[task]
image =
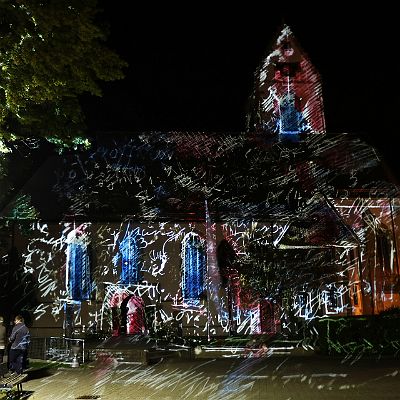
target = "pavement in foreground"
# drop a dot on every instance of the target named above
(277, 378)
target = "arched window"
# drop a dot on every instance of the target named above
(193, 268)
(128, 258)
(291, 119)
(78, 277)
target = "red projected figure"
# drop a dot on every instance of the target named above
(135, 320)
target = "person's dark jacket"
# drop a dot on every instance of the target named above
(2, 336)
(20, 337)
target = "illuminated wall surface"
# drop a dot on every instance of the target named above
(193, 268)
(288, 95)
(206, 233)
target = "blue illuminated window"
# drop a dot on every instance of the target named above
(128, 258)
(290, 118)
(78, 280)
(193, 268)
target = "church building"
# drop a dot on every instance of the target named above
(207, 234)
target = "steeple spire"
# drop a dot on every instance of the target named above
(287, 98)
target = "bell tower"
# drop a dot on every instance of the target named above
(287, 97)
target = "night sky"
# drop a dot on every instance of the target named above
(192, 68)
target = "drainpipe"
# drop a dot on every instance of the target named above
(360, 275)
(394, 235)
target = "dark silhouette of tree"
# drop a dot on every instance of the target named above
(51, 53)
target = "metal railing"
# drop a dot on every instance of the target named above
(57, 349)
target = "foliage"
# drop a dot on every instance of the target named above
(42, 364)
(355, 337)
(50, 53)
(5, 183)
(22, 208)
(17, 294)
(391, 312)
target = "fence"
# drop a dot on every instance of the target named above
(58, 349)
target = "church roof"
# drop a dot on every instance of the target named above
(169, 175)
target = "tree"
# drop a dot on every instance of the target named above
(51, 51)
(17, 294)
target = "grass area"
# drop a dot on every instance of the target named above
(12, 395)
(41, 364)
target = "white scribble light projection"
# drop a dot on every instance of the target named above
(258, 232)
(288, 95)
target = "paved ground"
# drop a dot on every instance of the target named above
(277, 378)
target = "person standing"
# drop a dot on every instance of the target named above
(19, 339)
(2, 339)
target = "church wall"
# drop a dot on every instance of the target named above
(375, 222)
(43, 252)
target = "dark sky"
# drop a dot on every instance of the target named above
(191, 68)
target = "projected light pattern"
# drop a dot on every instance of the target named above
(300, 239)
(241, 312)
(128, 258)
(298, 247)
(288, 92)
(78, 277)
(291, 120)
(193, 268)
(269, 322)
(135, 324)
(302, 305)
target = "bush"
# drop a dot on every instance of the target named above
(354, 337)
